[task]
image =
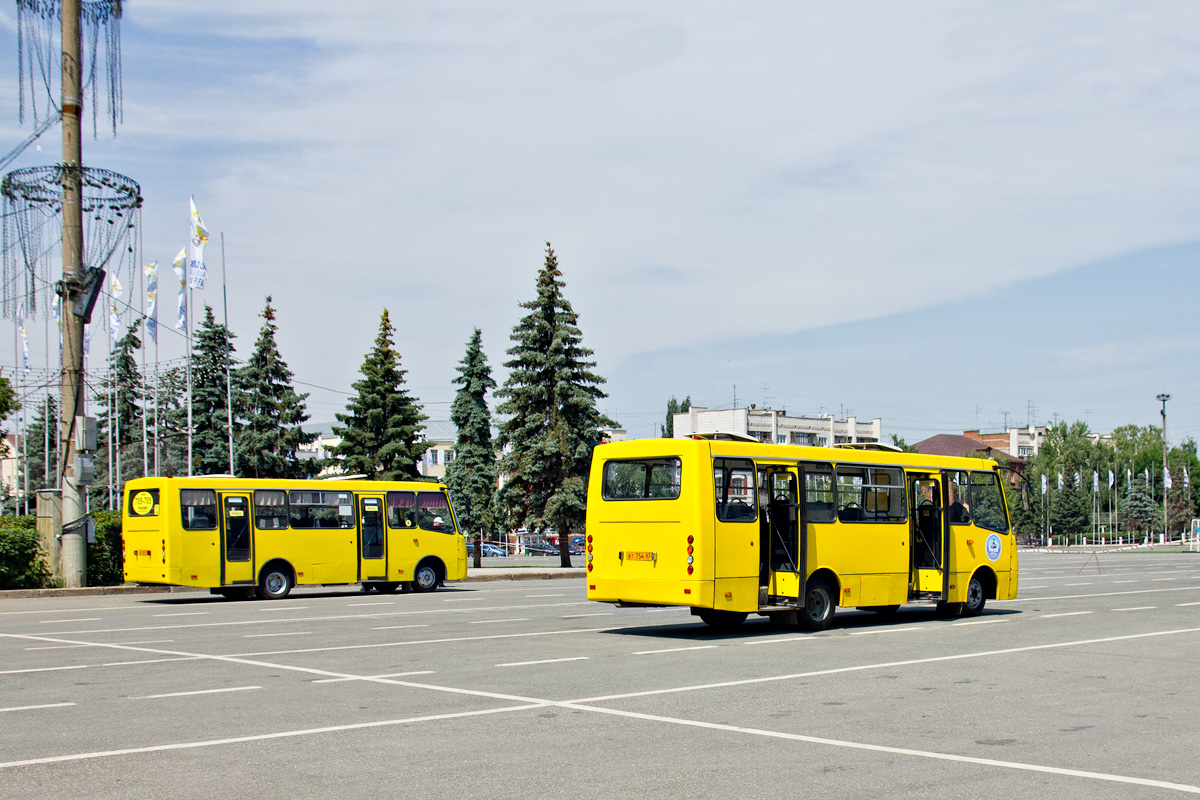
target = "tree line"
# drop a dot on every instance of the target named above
(528, 470)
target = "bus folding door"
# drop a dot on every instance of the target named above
(237, 549)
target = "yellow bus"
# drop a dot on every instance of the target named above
(240, 537)
(731, 528)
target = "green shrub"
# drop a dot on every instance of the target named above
(21, 566)
(104, 564)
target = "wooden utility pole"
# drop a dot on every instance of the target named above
(74, 535)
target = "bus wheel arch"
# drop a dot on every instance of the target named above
(820, 600)
(275, 580)
(428, 575)
(980, 588)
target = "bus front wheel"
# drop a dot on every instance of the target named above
(722, 620)
(426, 578)
(819, 605)
(275, 583)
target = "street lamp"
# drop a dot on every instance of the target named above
(1163, 398)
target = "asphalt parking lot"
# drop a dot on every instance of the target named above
(1083, 687)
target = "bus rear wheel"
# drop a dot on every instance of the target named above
(275, 583)
(976, 598)
(819, 605)
(722, 620)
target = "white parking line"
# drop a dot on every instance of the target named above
(383, 603)
(149, 641)
(580, 616)
(885, 630)
(1136, 608)
(543, 661)
(1153, 580)
(1035, 587)
(199, 691)
(264, 635)
(32, 708)
(370, 677)
(59, 647)
(1188, 604)
(1079, 584)
(545, 595)
(284, 608)
(65, 621)
(1124, 581)
(488, 621)
(980, 622)
(182, 614)
(398, 627)
(776, 641)
(1065, 614)
(675, 650)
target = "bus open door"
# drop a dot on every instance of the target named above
(930, 578)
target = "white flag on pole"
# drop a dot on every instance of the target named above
(1095, 481)
(1112, 479)
(24, 343)
(1045, 483)
(179, 266)
(1186, 480)
(1167, 480)
(114, 324)
(197, 238)
(1060, 482)
(151, 272)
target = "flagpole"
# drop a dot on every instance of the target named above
(108, 407)
(46, 411)
(189, 299)
(142, 292)
(228, 382)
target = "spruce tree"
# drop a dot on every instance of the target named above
(169, 436)
(471, 476)
(212, 361)
(1139, 513)
(550, 399)
(382, 427)
(270, 412)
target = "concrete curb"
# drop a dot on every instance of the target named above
(473, 576)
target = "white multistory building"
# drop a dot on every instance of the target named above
(776, 426)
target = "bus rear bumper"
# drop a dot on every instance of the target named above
(649, 592)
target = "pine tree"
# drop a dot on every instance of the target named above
(1070, 512)
(382, 424)
(212, 361)
(471, 476)
(270, 412)
(550, 396)
(1180, 508)
(674, 407)
(170, 434)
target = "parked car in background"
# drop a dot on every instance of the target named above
(492, 550)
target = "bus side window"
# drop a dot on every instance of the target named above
(433, 512)
(270, 510)
(818, 492)
(199, 508)
(401, 508)
(736, 498)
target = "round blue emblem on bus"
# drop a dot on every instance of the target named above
(993, 547)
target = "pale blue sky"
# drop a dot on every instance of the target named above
(929, 212)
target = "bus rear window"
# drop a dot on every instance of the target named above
(143, 503)
(199, 508)
(642, 479)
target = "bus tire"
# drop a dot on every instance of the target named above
(976, 597)
(386, 587)
(819, 605)
(722, 620)
(426, 577)
(275, 582)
